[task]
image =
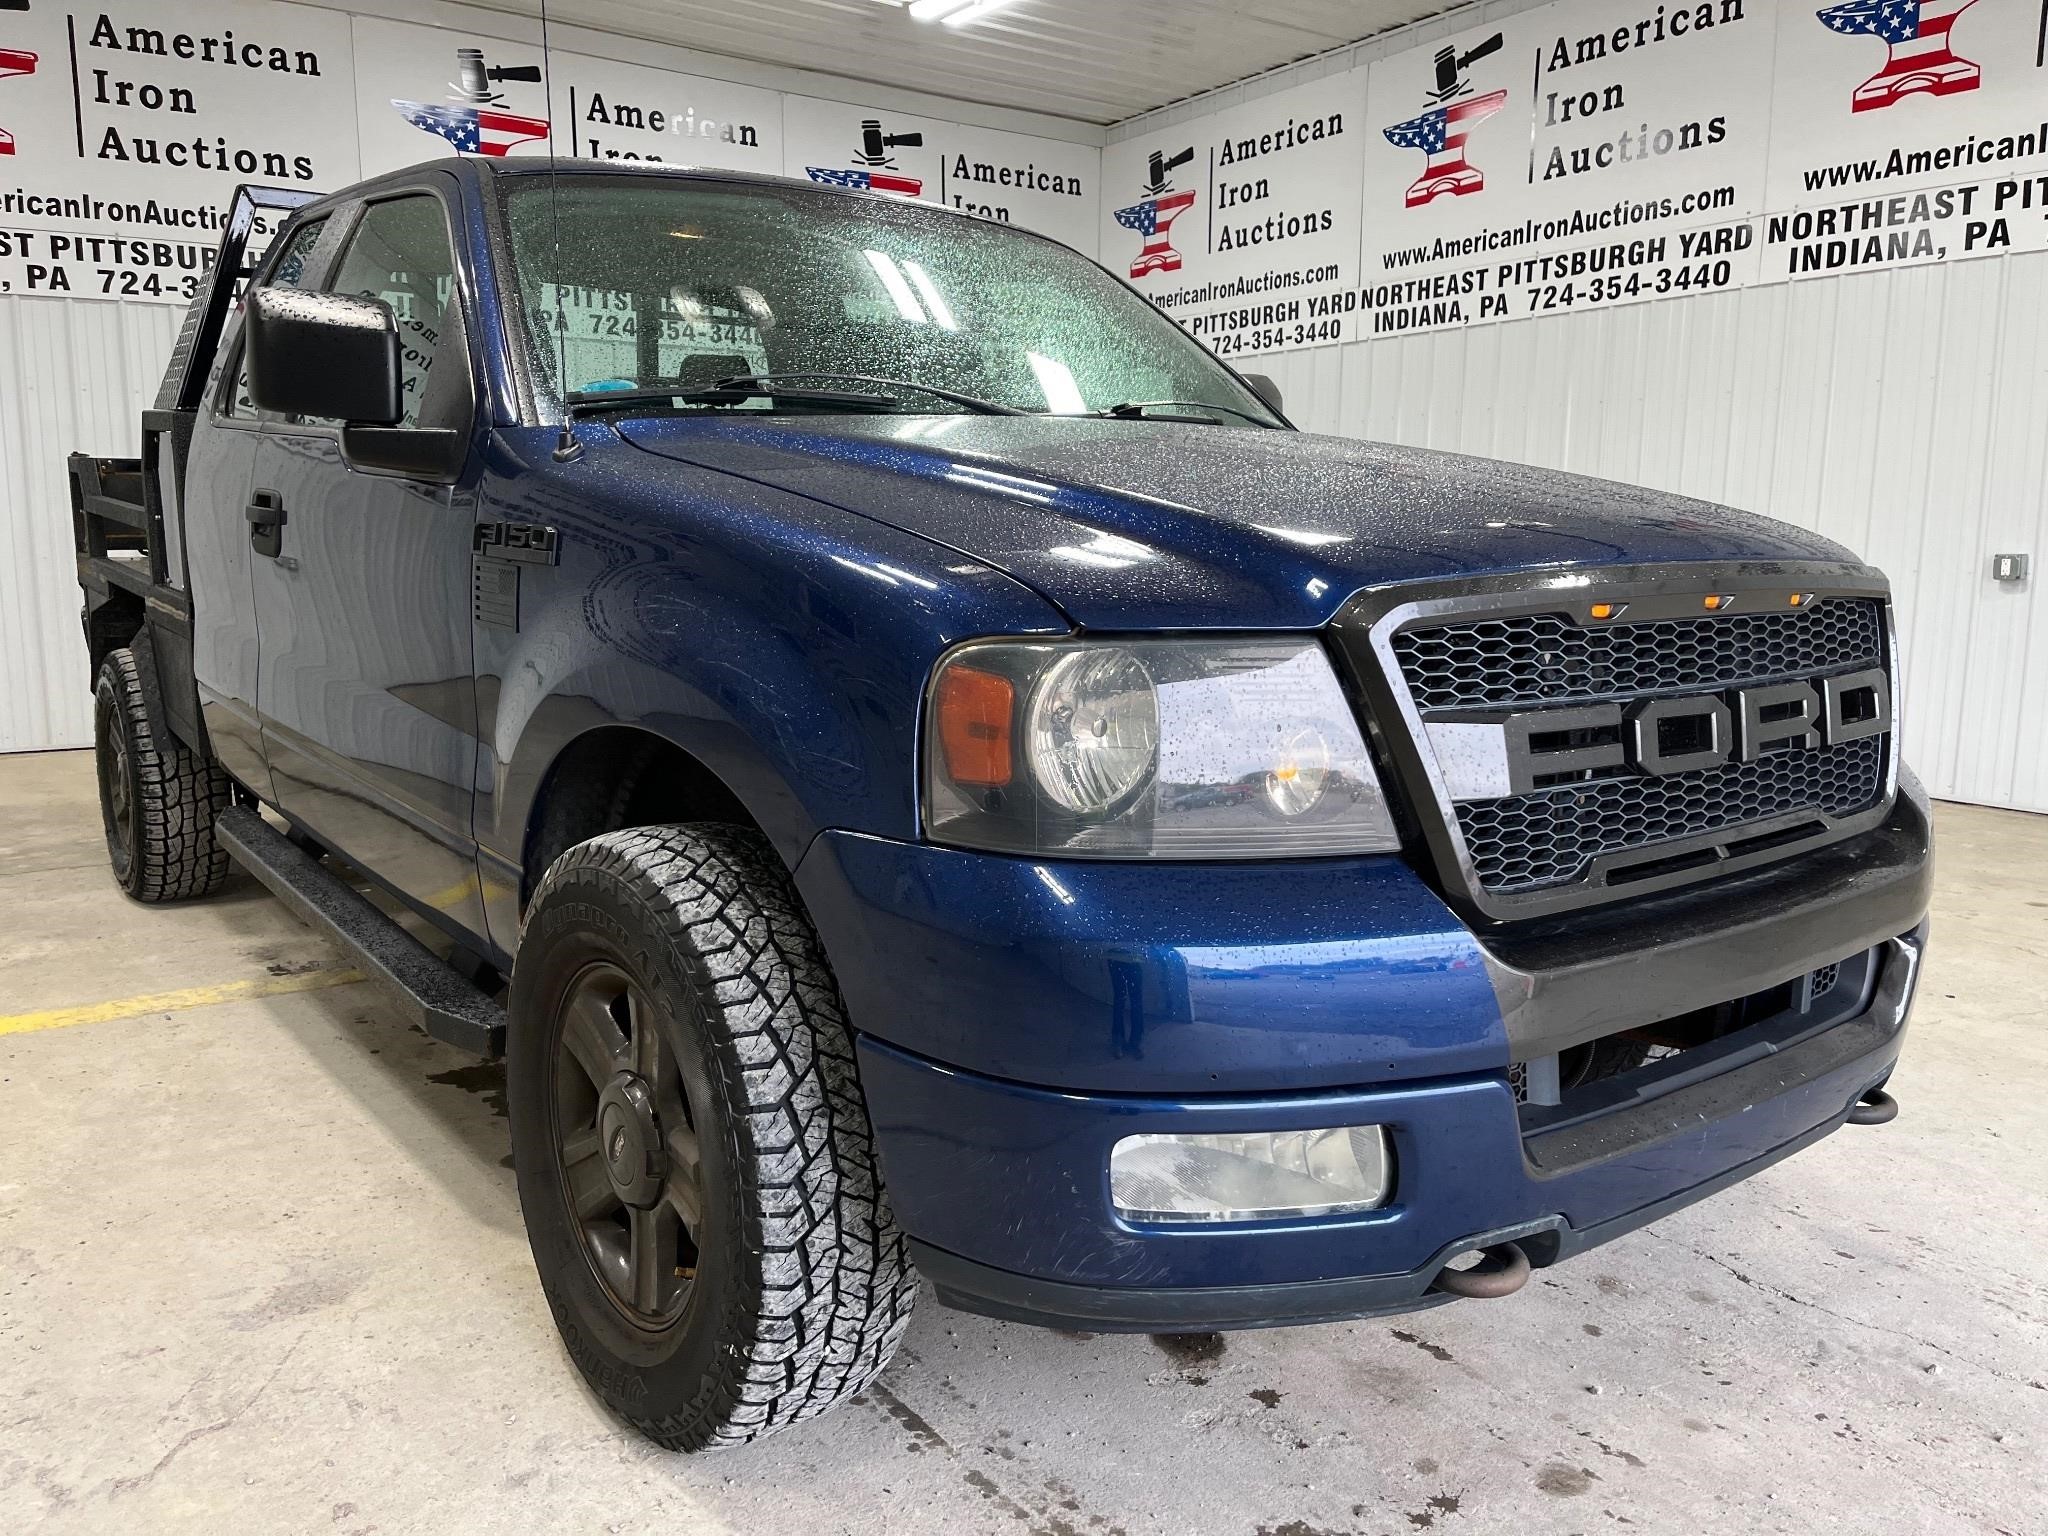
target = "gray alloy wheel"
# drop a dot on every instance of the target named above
(627, 1149)
(696, 1167)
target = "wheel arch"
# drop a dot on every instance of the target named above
(613, 776)
(111, 622)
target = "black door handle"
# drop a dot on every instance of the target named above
(266, 523)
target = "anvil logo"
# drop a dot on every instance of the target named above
(1440, 135)
(476, 125)
(1917, 33)
(877, 167)
(1441, 132)
(1152, 220)
(13, 61)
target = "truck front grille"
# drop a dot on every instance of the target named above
(1521, 842)
(1546, 658)
(1504, 680)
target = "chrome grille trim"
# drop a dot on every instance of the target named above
(1366, 633)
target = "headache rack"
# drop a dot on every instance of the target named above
(127, 522)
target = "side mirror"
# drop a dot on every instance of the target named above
(1266, 390)
(323, 354)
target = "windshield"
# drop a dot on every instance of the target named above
(675, 282)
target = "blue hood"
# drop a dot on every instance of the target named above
(1149, 525)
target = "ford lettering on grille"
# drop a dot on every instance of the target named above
(1484, 756)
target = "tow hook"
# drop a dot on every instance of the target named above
(1502, 1270)
(1875, 1108)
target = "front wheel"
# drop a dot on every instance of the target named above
(694, 1156)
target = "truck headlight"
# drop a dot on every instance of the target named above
(1093, 730)
(1169, 749)
(1250, 1176)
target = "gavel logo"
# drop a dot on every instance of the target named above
(1451, 66)
(474, 78)
(1161, 169)
(875, 144)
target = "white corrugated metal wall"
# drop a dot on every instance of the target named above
(1902, 412)
(73, 376)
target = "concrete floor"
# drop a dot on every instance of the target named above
(261, 1269)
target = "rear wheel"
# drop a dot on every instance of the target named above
(158, 797)
(695, 1162)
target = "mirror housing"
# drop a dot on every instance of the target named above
(1266, 390)
(324, 354)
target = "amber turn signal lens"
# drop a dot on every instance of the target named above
(974, 710)
(1603, 610)
(1713, 602)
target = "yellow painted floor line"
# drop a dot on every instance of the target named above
(176, 1002)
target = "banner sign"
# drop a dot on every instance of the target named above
(1907, 131)
(423, 91)
(614, 111)
(1589, 153)
(125, 127)
(1574, 156)
(1014, 178)
(1244, 226)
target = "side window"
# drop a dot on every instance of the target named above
(400, 254)
(289, 272)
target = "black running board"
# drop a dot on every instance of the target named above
(432, 996)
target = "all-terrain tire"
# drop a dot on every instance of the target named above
(158, 797)
(801, 1284)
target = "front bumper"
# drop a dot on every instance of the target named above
(1013, 1025)
(1016, 1177)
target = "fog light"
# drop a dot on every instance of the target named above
(1250, 1176)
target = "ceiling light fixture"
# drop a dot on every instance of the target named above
(955, 13)
(973, 12)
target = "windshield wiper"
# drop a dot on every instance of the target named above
(723, 392)
(952, 396)
(1134, 410)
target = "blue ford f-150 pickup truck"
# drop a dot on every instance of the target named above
(925, 773)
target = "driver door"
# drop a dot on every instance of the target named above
(366, 686)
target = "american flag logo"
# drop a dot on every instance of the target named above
(1152, 219)
(473, 130)
(1440, 134)
(1916, 31)
(13, 61)
(867, 181)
